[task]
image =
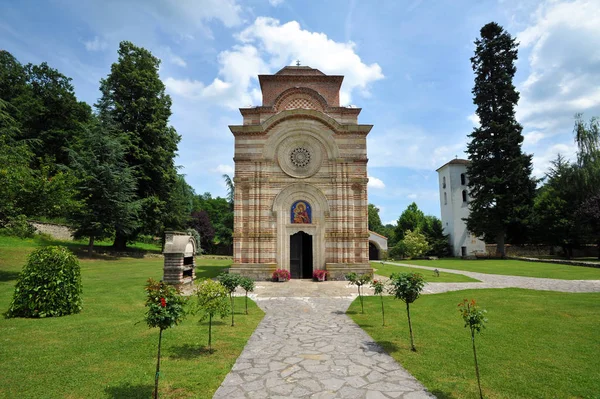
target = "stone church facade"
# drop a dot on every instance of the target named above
(300, 180)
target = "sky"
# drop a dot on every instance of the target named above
(406, 64)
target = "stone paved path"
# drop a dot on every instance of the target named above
(308, 348)
(500, 281)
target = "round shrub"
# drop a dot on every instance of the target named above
(49, 285)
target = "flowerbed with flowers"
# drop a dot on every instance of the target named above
(320, 275)
(281, 275)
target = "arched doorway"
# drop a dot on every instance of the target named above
(373, 251)
(301, 258)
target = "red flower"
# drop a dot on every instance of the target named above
(163, 303)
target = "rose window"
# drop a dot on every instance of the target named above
(300, 157)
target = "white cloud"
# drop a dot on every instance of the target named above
(412, 147)
(412, 196)
(533, 137)
(542, 159)
(223, 170)
(96, 45)
(275, 3)
(375, 183)
(564, 60)
(474, 119)
(266, 46)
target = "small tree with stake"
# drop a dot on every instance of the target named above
(359, 281)
(378, 287)
(165, 310)
(212, 301)
(474, 319)
(407, 287)
(230, 282)
(248, 285)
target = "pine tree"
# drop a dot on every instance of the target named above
(134, 102)
(500, 180)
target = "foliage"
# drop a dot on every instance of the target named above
(165, 305)
(375, 221)
(378, 287)
(411, 219)
(135, 104)
(18, 226)
(407, 287)
(230, 281)
(281, 275)
(106, 187)
(212, 301)
(220, 220)
(359, 281)
(398, 251)
(415, 244)
(414, 220)
(230, 190)
(500, 183)
(474, 319)
(200, 222)
(49, 285)
(165, 310)
(248, 285)
(320, 274)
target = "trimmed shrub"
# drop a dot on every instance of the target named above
(49, 285)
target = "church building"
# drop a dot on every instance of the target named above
(300, 180)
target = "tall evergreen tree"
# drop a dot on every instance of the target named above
(134, 102)
(500, 180)
(106, 187)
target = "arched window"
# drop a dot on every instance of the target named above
(464, 194)
(444, 182)
(445, 199)
(463, 179)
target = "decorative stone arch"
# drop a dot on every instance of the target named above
(281, 212)
(374, 250)
(379, 243)
(300, 97)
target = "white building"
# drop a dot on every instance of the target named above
(454, 203)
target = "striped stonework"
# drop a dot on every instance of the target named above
(300, 145)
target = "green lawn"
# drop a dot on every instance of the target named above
(537, 344)
(387, 270)
(107, 351)
(511, 267)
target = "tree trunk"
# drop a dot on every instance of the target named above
(362, 308)
(231, 299)
(500, 250)
(157, 366)
(91, 245)
(246, 302)
(412, 341)
(382, 311)
(120, 243)
(209, 331)
(476, 365)
(598, 248)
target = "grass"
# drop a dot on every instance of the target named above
(512, 267)
(107, 351)
(537, 344)
(387, 270)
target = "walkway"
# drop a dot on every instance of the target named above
(501, 281)
(306, 347)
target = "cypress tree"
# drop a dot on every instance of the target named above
(500, 182)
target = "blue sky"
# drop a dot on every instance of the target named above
(406, 65)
